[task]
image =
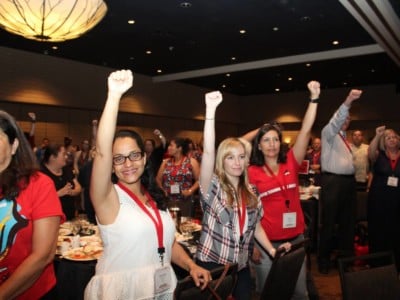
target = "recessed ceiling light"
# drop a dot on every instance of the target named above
(159, 71)
(233, 58)
(372, 70)
(290, 78)
(54, 47)
(275, 28)
(277, 89)
(335, 43)
(131, 21)
(344, 83)
(148, 52)
(185, 4)
(223, 86)
(242, 31)
(131, 58)
(308, 65)
(227, 74)
(305, 19)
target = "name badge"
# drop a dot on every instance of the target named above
(392, 181)
(289, 220)
(162, 279)
(175, 189)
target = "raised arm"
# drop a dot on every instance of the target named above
(101, 188)
(373, 149)
(341, 115)
(162, 138)
(95, 124)
(32, 116)
(213, 99)
(300, 146)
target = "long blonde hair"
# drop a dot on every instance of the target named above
(225, 149)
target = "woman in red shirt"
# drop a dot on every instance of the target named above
(30, 216)
(275, 174)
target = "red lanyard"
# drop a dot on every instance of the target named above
(282, 186)
(315, 157)
(157, 223)
(345, 142)
(242, 216)
(393, 162)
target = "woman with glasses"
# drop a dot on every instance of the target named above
(384, 193)
(137, 230)
(274, 171)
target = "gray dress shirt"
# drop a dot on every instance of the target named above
(336, 156)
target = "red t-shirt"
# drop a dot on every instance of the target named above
(38, 200)
(274, 195)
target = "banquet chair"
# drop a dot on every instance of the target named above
(220, 288)
(376, 279)
(282, 277)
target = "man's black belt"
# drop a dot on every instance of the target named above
(341, 175)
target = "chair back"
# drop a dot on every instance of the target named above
(376, 279)
(220, 288)
(282, 277)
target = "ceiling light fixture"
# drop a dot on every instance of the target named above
(51, 20)
(185, 4)
(131, 21)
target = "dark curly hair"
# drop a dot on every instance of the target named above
(257, 157)
(23, 164)
(148, 177)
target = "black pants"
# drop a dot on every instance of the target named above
(337, 204)
(243, 288)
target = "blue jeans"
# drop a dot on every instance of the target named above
(262, 270)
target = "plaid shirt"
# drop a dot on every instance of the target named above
(219, 240)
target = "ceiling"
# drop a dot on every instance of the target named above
(286, 43)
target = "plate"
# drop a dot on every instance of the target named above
(64, 231)
(66, 224)
(87, 253)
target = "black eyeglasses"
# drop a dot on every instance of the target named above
(133, 156)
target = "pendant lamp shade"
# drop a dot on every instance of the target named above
(51, 20)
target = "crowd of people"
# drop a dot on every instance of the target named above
(247, 189)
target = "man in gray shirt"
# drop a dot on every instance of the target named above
(338, 194)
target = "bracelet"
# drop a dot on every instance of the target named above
(314, 100)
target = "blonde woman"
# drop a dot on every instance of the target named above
(384, 193)
(232, 210)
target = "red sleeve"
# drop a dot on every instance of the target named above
(45, 199)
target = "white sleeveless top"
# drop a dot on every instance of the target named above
(130, 258)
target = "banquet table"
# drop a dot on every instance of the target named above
(73, 275)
